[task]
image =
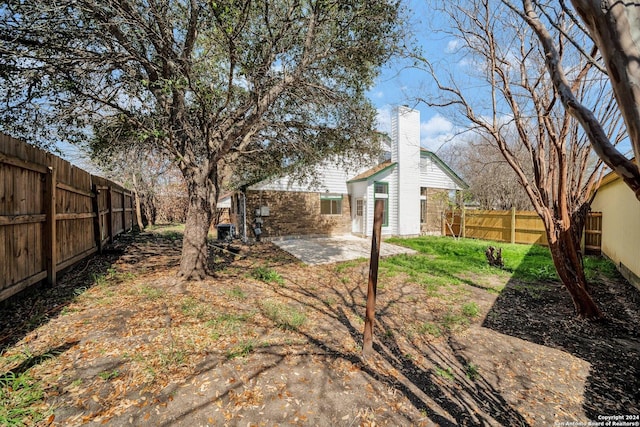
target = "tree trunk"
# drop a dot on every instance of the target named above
(568, 262)
(193, 263)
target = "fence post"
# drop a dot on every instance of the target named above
(463, 223)
(50, 240)
(110, 213)
(98, 220)
(513, 225)
(444, 223)
(124, 211)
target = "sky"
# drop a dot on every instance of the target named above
(401, 86)
(398, 85)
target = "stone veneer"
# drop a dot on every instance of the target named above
(296, 214)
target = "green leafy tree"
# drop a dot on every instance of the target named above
(212, 84)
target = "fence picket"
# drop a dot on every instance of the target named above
(52, 215)
(514, 227)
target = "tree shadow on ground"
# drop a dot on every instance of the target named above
(27, 310)
(433, 376)
(545, 315)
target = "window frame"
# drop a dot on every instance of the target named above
(384, 195)
(335, 204)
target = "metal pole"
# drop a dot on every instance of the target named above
(367, 347)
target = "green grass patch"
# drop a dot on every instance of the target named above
(109, 375)
(236, 293)
(451, 258)
(443, 260)
(267, 275)
(344, 266)
(194, 308)
(241, 350)
(172, 357)
(446, 373)
(471, 371)
(283, 315)
(429, 328)
(20, 399)
(151, 293)
(228, 323)
(595, 266)
(453, 321)
(470, 309)
(169, 231)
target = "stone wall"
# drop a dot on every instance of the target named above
(296, 214)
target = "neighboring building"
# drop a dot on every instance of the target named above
(223, 209)
(415, 184)
(620, 225)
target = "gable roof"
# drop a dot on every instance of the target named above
(454, 176)
(373, 171)
(611, 176)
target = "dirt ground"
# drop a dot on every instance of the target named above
(270, 341)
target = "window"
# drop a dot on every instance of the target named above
(359, 207)
(381, 188)
(381, 191)
(331, 204)
(423, 205)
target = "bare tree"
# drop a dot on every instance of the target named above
(209, 83)
(147, 172)
(613, 27)
(493, 184)
(521, 99)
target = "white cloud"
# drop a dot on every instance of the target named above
(436, 131)
(435, 125)
(383, 119)
(452, 46)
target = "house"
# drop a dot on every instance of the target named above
(415, 184)
(620, 226)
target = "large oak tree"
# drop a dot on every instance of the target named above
(210, 83)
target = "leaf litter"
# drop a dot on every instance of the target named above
(236, 350)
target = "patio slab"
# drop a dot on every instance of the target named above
(327, 250)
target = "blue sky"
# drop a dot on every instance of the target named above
(400, 86)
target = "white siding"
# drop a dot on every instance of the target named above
(358, 190)
(406, 151)
(432, 176)
(331, 178)
(389, 176)
(224, 203)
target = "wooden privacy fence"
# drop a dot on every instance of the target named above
(52, 215)
(513, 227)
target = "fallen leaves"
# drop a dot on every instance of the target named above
(215, 348)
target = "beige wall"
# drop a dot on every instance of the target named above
(620, 227)
(296, 214)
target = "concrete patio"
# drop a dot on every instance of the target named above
(327, 250)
